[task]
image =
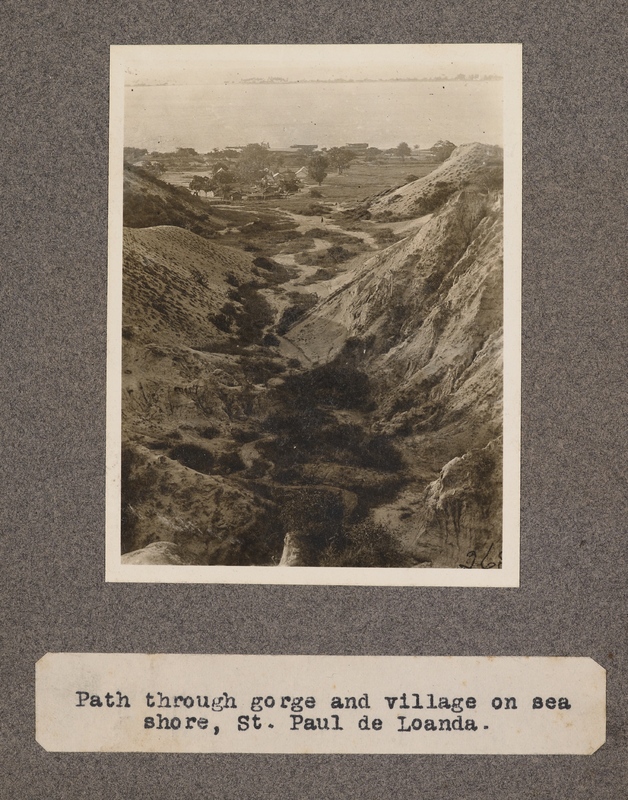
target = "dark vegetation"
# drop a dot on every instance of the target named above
(366, 544)
(307, 438)
(333, 385)
(137, 485)
(246, 315)
(321, 274)
(193, 457)
(209, 432)
(316, 210)
(306, 428)
(331, 257)
(491, 178)
(142, 211)
(301, 303)
(430, 202)
(385, 236)
(157, 202)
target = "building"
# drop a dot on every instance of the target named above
(304, 148)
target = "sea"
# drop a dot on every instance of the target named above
(382, 113)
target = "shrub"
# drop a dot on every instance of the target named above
(385, 236)
(335, 385)
(222, 322)
(256, 315)
(334, 255)
(288, 318)
(230, 462)
(367, 545)
(259, 370)
(435, 197)
(244, 435)
(380, 453)
(209, 432)
(138, 480)
(264, 263)
(193, 457)
(316, 209)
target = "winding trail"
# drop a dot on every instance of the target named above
(289, 349)
(305, 223)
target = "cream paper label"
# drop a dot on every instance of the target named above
(319, 704)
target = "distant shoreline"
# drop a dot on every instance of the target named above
(288, 82)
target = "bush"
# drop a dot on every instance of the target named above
(137, 482)
(385, 236)
(367, 545)
(256, 315)
(316, 209)
(381, 454)
(335, 385)
(209, 432)
(334, 255)
(193, 457)
(437, 196)
(260, 369)
(222, 322)
(265, 263)
(230, 462)
(244, 435)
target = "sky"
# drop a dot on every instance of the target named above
(190, 64)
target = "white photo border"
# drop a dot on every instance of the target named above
(510, 58)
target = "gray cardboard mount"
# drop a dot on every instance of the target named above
(572, 599)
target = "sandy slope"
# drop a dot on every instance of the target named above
(467, 163)
(428, 311)
(419, 323)
(173, 281)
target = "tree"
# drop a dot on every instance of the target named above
(340, 157)
(371, 153)
(317, 168)
(225, 180)
(155, 167)
(252, 163)
(289, 182)
(404, 151)
(199, 184)
(132, 154)
(442, 149)
(279, 160)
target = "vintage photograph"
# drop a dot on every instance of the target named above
(314, 314)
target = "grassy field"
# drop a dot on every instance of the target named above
(358, 182)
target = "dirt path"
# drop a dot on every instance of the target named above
(305, 223)
(289, 349)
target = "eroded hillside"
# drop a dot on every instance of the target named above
(276, 413)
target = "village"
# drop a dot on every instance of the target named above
(257, 171)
